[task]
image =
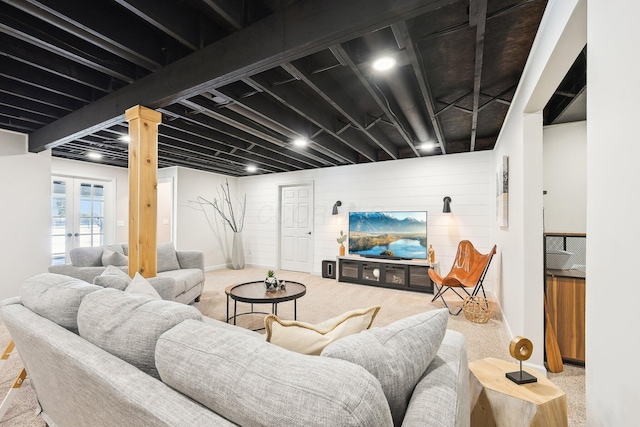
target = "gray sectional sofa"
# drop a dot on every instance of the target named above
(180, 273)
(103, 357)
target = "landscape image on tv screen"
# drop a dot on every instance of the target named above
(388, 234)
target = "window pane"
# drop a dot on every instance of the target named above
(85, 189)
(58, 206)
(85, 208)
(98, 191)
(59, 187)
(97, 208)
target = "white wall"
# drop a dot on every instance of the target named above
(97, 171)
(613, 229)
(410, 184)
(561, 36)
(199, 227)
(565, 178)
(25, 217)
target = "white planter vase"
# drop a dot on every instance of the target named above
(237, 252)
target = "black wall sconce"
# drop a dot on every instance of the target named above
(335, 207)
(447, 205)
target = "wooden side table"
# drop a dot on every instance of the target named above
(496, 401)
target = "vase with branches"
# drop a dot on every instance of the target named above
(341, 240)
(224, 207)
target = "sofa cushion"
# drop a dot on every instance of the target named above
(185, 279)
(306, 338)
(140, 285)
(110, 257)
(253, 383)
(86, 257)
(128, 325)
(167, 258)
(113, 277)
(397, 354)
(56, 297)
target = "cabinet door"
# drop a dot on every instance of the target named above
(371, 272)
(419, 278)
(394, 275)
(348, 270)
(566, 303)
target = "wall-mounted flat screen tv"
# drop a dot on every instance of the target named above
(395, 235)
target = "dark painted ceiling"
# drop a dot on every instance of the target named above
(238, 81)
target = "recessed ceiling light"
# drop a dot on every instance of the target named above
(300, 142)
(125, 138)
(94, 155)
(251, 168)
(427, 146)
(384, 63)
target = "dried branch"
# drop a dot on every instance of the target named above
(219, 206)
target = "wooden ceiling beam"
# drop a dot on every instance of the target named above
(481, 20)
(299, 30)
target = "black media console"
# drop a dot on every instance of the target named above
(410, 275)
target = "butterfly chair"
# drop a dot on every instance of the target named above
(468, 271)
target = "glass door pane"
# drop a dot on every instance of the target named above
(58, 221)
(77, 215)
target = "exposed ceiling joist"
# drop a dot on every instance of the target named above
(480, 13)
(305, 27)
(417, 66)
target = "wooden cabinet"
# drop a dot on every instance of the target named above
(566, 290)
(410, 275)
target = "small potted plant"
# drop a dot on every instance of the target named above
(341, 240)
(270, 282)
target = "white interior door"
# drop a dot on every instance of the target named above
(78, 214)
(296, 242)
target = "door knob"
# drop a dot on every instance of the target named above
(309, 233)
(69, 234)
(77, 234)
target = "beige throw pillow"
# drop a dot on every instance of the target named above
(306, 338)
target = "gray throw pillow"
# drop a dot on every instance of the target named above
(167, 257)
(254, 383)
(110, 257)
(397, 354)
(140, 285)
(128, 325)
(113, 277)
(56, 297)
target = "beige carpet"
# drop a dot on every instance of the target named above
(325, 298)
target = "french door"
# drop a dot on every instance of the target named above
(296, 242)
(78, 214)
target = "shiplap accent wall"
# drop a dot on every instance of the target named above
(410, 184)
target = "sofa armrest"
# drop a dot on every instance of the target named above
(442, 396)
(164, 286)
(83, 273)
(191, 259)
